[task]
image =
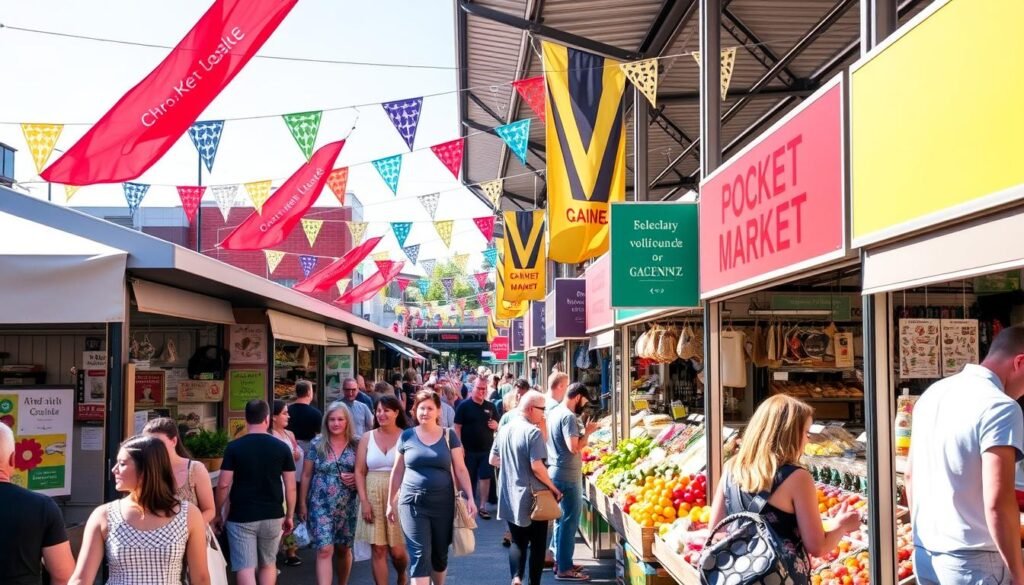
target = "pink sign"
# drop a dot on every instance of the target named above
(599, 300)
(777, 207)
(499, 347)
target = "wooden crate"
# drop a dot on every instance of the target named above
(683, 572)
(640, 538)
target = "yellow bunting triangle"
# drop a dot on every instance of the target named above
(259, 192)
(462, 261)
(273, 259)
(343, 284)
(444, 229)
(728, 64)
(312, 229)
(358, 229)
(69, 192)
(41, 139)
(644, 76)
(385, 255)
(493, 189)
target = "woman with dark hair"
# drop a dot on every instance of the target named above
(191, 479)
(279, 429)
(374, 460)
(427, 456)
(147, 535)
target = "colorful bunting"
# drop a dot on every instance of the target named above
(379, 256)
(424, 285)
(342, 284)
(69, 192)
(728, 64)
(190, 198)
(484, 299)
(304, 127)
(486, 226)
(384, 265)
(134, 193)
(429, 202)
(644, 76)
(450, 154)
(403, 283)
(308, 263)
(312, 227)
(461, 261)
(389, 169)
(405, 115)
(401, 229)
(532, 92)
(273, 259)
(412, 252)
(481, 279)
(491, 256)
(338, 269)
(358, 230)
(493, 190)
(390, 303)
(444, 230)
(370, 286)
(448, 283)
(224, 195)
(206, 138)
(428, 267)
(41, 139)
(338, 182)
(259, 192)
(517, 136)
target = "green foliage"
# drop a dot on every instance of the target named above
(207, 444)
(461, 288)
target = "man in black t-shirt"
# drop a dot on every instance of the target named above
(476, 420)
(251, 481)
(31, 529)
(304, 419)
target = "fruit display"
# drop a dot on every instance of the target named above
(659, 500)
(904, 551)
(851, 570)
(811, 391)
(625, 457)
(831, 500)
(832, 441)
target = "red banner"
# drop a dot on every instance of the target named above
(370, 286)
(499, 347)
(340, 268)
(282, 212)
(147, 120)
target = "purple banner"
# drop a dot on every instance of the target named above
(518, 340)
(537, 324)
(570, 308)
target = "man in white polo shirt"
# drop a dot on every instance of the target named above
(967, 436)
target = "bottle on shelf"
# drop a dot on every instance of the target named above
(904, 419)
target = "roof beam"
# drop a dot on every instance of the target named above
(533, 12)
(671, 21)
(692, 97)
(755, 45)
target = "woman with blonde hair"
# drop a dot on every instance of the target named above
(768, 464)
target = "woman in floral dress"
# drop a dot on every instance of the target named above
(328, 501)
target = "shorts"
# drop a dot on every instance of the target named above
(254, 544)
(479, 466)
(966, 568)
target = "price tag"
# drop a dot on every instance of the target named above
(817, 429)
(780, 376)
(678, 412)
(640, 404)
(863, 438)
(700, 418)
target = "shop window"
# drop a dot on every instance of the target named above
(285, 282)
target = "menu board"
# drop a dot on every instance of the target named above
(919, 348)
(959, 344)
(42, 421)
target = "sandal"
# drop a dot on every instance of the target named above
(573, 575)
(483, 514)
(506, 541)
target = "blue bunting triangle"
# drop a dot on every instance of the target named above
(412, 252)
(401, 229)
(206, 138)
(389, 169)
(491, 256)
(424, 285)
(405, 115)
(134, 193)
(308, 263)
(448, 283)
(517, 136)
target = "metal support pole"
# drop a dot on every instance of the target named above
(641, 117)
(710, 85)
(878, 19)
(713, 411)
(199, 210)
(116, 360)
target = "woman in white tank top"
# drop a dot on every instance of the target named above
(374, 460)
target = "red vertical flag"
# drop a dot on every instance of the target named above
(148, 119)
(340, 268)
(371, 286)
(282, 212)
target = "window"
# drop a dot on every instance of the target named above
(287, 282)
(7, 164)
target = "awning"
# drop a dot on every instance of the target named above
(362, 342)
(297, 329)
(603, 340)
(400, 350)
(166, 300)
(336, 336)
(415, 356)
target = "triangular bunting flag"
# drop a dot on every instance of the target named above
(401, 230)
(378, 256)
(517, 136)
(403, 283)
(532, 92)
(259, 192)
(424, 285)
(206, 138)
(190, 198)
(428, 267)
(728, 64)
(338, 182)
(342, 285)
(481, 279)
(134, 193)
(644, 76)
(491, 256)
(308, 263)
(389, 169)
(312, 227)
(450, 154)
(493, 190)
(304, 127)
(390, 303)
(462, 261)
(429, 202)
(224, 195)
(358, 230)
(448, 283)
(273, 259)
(405, 115)
(486, 226)
(384, 266)
(69, 192)
(412, 252)
(473, 285)
(444, 230)
(41, 139)
(484, 299)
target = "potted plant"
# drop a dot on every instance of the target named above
(208, 447)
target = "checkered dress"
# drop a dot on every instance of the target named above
(145, 557)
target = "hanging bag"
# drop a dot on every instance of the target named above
(215, 563)
(463, 539)
(545, 507)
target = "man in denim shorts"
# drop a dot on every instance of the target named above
(257, 476)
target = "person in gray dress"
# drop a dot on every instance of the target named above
(520, 452)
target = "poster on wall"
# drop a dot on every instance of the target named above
(201, 391)
(95, 365)
(340, 365)
(149, 388)
(246, 385)
(919, 348)
(248, 344)
(959, 344)
(42, 421)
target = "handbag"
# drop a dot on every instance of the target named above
(463, 539)
(215, 563)
(545, 507)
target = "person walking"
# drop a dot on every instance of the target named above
(256, 476)
(448, 394)
(558, 383)
(191, 479)
(304, 419)
(328, 501)
(768, 461)
(148, 535)
(279, 429)
(421, 494)
(476, 420)
(31, 529)
(519, 452)
(968, 431)
(511, 401)
(362, 416)
(374, 460)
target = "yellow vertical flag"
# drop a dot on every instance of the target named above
(41, 139)
(259, 192)
(523, 260)
(492, 332)
(312, 227)
(444, 230)
(504, 309)
(358, 229)
(273, 259)
(586, 147)
(493, 190)
(69, 192)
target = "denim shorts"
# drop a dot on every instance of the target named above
(254, 544)
(961, 568)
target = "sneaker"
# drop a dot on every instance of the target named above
(292, 562)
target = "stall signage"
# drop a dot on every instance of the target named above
(43, 432)
(777, 207)
(449, 337)
(201, 391)
(999, 282)
(570, 306)
(340, 364)
(842, 309)
(549, 319)
(499, 347)
(598, 277)
(535, 324)
(516, 335)
(246, 385)
(654, 255)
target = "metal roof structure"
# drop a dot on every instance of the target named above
(785, 50)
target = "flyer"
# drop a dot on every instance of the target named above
(248, 344)
(919, 348)
(245, 385)
(94, 363)
(340, 365)
(149, 388)
(42, 420)
(959, 344)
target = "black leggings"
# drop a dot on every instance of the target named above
(534, 537)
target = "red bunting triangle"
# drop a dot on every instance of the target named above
(190, 198)
(338, 182)
(403, 283)
(384, 265)
(486, 226)
(450, 155)
(481, 279)
(532, 92)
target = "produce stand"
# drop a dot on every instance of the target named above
(683, 572)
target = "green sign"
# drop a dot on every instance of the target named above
(515, 357)
(246, 385)
(839, 304)
(654, 255)
(997, 283)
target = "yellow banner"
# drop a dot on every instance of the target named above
(524, 260)
(586, 148)
(503, 309)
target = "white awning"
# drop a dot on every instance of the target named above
(336, 336)
(362, 342)
(166, 300)
(603, 340)
(51, 276)
(297, 329)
